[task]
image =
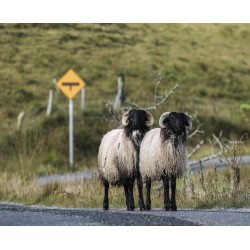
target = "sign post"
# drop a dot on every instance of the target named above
(71, 84)
(71, 132)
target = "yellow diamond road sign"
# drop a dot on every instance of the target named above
(70, 84)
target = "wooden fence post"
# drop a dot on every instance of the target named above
(20, 119)
(214, 106)
(50, 102)
(83, 99)
(120, 96)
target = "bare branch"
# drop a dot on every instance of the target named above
(231, 150)
(218, 141)
(197, 131)
(114, 114)
(156, 97)
(223, 148)
(214, 156)
(194, 116)
(156, 90)
(211, 145)
(167, 95)
(201, 178)
(132, 104)
(198, 146)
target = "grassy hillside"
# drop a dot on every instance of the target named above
(210, 61)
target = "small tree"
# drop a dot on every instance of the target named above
(232, 151)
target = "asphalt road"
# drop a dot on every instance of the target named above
(221, 163)
(18, 215)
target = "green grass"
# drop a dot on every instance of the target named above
(210, 62)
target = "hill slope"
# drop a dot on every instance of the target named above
(210, 61)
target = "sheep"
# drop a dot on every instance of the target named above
(163, 155)
(118, 156)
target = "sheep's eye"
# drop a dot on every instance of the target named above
(130, 118)
(172, 119)
(167, 120)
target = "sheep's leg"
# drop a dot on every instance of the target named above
(106, 197)
(165, 180)
(173, 189)
(148, 199)
(126, 193)
(131, 204)
(140, 191)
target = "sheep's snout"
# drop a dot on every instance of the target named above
(136, 133)
(137, 137)
(177, 126)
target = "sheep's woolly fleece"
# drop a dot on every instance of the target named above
(117, 157)
(158, 158)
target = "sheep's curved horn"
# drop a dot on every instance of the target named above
(150, 120)
(189, 121)
(162, 118)
(125, 119)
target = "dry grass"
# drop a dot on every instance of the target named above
(211, 188)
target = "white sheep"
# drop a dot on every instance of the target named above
(163, 155)
(118, 157)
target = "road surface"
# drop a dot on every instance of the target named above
(18, 215)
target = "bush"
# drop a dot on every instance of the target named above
(245, 107)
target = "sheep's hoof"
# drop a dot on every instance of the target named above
(148, 207)
(131, 208)
(105, 206)
(167, 207)
(142, 206)
(173, 208)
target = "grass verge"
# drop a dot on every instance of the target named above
(210, 189)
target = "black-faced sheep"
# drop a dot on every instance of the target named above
(163, 155)
(118, 157)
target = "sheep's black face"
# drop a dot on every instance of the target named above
(137, 128)
(176, 122)
(137, 119)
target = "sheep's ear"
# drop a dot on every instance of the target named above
(162, 118)
(188, 121)
(150, 120)
(125, 119)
